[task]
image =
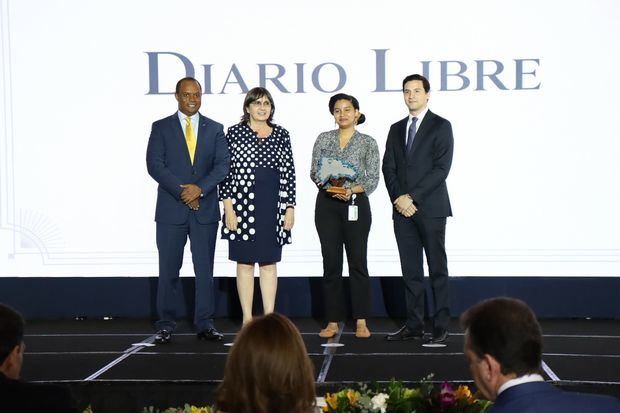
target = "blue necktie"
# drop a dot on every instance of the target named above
(411, 133)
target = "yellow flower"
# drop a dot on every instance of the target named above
(411, 393)
(194, 409)
(332, 400)
(353, 396)
(463, 392)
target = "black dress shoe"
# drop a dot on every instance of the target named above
(440, 335)
(406, 333)
(163, 337)
(210, 334)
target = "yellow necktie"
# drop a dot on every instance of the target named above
(190, 138)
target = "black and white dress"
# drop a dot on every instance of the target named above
(261, 184)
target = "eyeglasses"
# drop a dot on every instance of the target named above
(258, 104)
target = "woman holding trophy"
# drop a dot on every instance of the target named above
(258, 197)
(345, 168)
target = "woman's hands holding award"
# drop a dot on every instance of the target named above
(336, 172)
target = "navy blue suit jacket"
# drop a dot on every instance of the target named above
(168, 162)
(421, 172)
(542, 397)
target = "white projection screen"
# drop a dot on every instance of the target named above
(530, 87)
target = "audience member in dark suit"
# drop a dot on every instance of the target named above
(16, 395)
(503, 346)
(188, 156)
(417, 160)
(267, 370)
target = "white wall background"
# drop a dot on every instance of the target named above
(534, 182)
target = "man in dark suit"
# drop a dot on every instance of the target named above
(188, 156)
(418, 155)
(16, 395)
(503, 346)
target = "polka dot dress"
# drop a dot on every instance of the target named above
(260, 185)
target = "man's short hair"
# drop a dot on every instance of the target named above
(178, 86)
(507, 329)
(425, 83)
(11, 331)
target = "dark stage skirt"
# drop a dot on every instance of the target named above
(264, 248)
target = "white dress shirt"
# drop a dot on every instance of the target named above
(528, 378)
(193, 119)
(418, 123)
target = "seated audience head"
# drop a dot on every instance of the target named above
(268, 370)
(11, 342)
(503, 341)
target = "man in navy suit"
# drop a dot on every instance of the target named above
(503, 346)
(188, 156)
(16, 395)
(418, 155)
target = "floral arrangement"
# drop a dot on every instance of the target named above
(392, 398)
(396, 398)
(185, 409)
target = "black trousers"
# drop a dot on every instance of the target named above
(335, 230)
(415, 236)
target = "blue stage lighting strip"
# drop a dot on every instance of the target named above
(329, 354)
(131, 350)
(550, 372)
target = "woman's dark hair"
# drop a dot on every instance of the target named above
(252, 96)
(268, 370)
(352, 99)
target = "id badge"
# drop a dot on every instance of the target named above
(352, 212)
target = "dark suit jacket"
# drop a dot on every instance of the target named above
(18, 396)
(168, 162)
(541, 397)
(423, 171)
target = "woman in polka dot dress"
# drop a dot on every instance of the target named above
(258, 197)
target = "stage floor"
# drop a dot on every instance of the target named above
(584, 354)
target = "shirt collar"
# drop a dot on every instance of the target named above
(528, 378)
(420, 117)
(193, 118)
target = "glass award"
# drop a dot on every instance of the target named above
(335, 172)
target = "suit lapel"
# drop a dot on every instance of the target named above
(401, 135)
(179, 136)
(422, 130)
(201, 139)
